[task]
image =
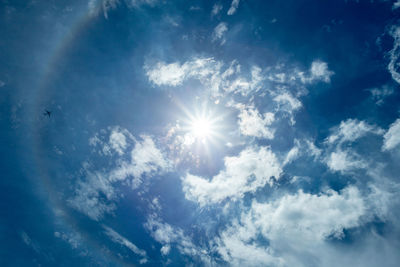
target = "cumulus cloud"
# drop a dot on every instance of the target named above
(146, 159)
(391, 139)
(288, 103)
(119, 239)
(252, 169)
(233, 8)
(394, 64)
(319, 71)
(219, 33)
(345, 160)
(252, 123)
(292, 225)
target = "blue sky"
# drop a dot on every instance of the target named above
(200, 133)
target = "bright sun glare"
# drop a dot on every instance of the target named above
(201, 128)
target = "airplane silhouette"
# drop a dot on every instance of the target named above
(47, 113)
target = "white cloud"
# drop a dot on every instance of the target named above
(169, 235)
(345, 161)
(396, 5)
(219, 33)
(74, 239)
(394, 64)
(379, 94)
(233, 8)
(174, 74)
(319, 71)
(146, 159)
(252, 123)
(93, 196)
(216, 9)
(117, 238)
(96, 6)
(238, 252)
(118, 141)
(209, 72)
(309, 217)
(170, 74)
(249, 171)
(288, 103)
(293, 225)
(392, 136)
(351, 130)
(95, 193)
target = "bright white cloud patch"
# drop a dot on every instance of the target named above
(233, 8)
(118, 141)
(392, 136)
(174, 74)
(252, 123)
(292, 224)
(219, 33)
(319, 71)
(146, 159)
(251, 170)
(309, 217)
(209, 72)
(345, 161)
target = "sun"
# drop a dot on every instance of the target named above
(201, 128)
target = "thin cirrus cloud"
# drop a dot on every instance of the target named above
(234, 6)
(119, 239)
(95, 192)
(219, 33)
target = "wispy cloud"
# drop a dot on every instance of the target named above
(95, 194)
(380, 94)
(216, 9)
(119, 239)
(233, 8)
(394, 54)
(219, 33)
